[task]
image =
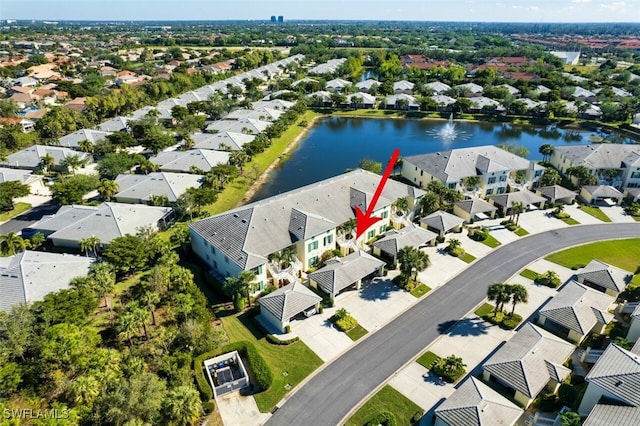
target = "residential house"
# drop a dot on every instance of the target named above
(304, 220)
(601, 194)
(117, 124)
(617, 92)
(632, 194)
(445, 103)
(248, 126)
(576, 311)
(34, 182)
(401, 102)
(278, 308)
(25, 124)
(471, 90)
(403, 87)
(185, 161)
(625, 158)
(138, 189)
(505, 202)
(337, 85)
(329, 67)
(476, 404)
(474, 209)
(569, 58)
(29, 276)
(557, 194)
(528, 363)
(575, 78)
(604, 277)
(540, 89)
(614, 377)
(395, 240)
(26, 81)
(304, 81)
(77, 104)
(341, 273)
(72, 140)
(368, 86)
(31, 158)
(512, 90)
(361, 100)
(584, 95)
(437, 87)
(106, 221)
(321, 98)
(633, 334)
(442, 222)
(588, 111)
(262, 114)
(607, 413)
(486, 105)
(216, 141)
(493, 166)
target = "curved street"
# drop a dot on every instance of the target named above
(330, 395)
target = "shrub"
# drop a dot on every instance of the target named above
(287, 328)
(320, 309)
(448, 369)
(511, 322)
(260, 369)
(274, 340)
(384, 418)
(547, 402)
(548, 279)
(439, 239)
(238, 302)
(415, 419)
(340, 313)
(478, 234)
(208, 407)
(346, 323)
(567, 394)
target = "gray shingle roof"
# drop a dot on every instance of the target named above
(603, 191)
(598, 156)
(244, 125)
(522, 362)
(578, 308)
(250, 233)
(31, 275)
(22, 176)
(610, 414)
(213, 140)
(618, 372)
(72, 140)
(604, 275)
(30, 157)
(182, 161)
(441, 221)
(403, 85)
(525, 197)
(142, 187)
(106, 221)
(457, 164)
(304, 225)
(476, 205)
(289, 301)
(392, 99)
(117, 124)
(340, 272)
(476, 404)
(412, 235)
(438, 87)
(555, 192)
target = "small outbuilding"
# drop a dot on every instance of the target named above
(474, 209)
(442, 222)
(279, 307)
(226, 373)
(601, 194)
(557, 194)
(604, 277)
(394, 241)
(506, 201)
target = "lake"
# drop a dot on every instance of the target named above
(336, 144)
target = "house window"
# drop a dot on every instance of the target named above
(501, 190)
(538, 173)
(226, 259)
(371, 234)
(327, 240)
(452, 185)
(313, 261)
(215, 265)
(503, 178)
(381, 230)
(384, 214)
(260, 286)
(489, 191)
(213, 249)
(257, 270)
(491, 180)
(313, 245)
(635, 175)
(421, 172)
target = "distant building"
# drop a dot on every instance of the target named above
(569, 58)
(280, 19)
(273, 18)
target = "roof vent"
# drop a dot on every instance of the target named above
(619, 383)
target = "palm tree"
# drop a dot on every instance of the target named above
(519, 294)
(498, 293)
(470, 182)
(422, 262)
(401, 205)
(247, 279)
(127, 327)
(107, 189)
(284, 257)
(516, 209)
(452, 365)
(104, 279)
(12, 243)
(347, 228)
(546, 150)
(72, 163)
(158, 200)
(224, 147)
(90, 244)
(454, 244)
(182, 406)
(140, 316)
(37, 240)
(85, 389)
(239, 159)
(85, 146)
(151, 299)
(430, 203)
(47, 162)
(408, 259)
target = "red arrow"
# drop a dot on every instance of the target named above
(364, 220)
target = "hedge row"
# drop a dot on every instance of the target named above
(274, 340)
(257, 364)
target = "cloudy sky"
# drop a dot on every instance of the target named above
(420, 10)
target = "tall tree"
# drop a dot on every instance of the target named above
(107, 189)
(12, 243)
(182, 406)
(498, 293)
(519, 294)
(9, 190)
(546, 150)
(72, 163)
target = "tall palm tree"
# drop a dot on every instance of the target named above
(104, 279)
(127, 327)
(90, 244)
(408, 260)
(37, 240)
(546, 150)
(247, 280)
(141, 317)
(519, 294)
(284, 257)
(517, 208)
(85, 146)
(422, 262)
(498, 293)
(72, 163)
(151, 299)
(12, 243)
(182, 406)
(158, 200)
(239, 159)
(430, 203)
(401, 205)
(107, 189)
(47, 162)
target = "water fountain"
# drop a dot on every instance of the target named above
(449, 133)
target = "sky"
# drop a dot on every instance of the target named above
(537, 11)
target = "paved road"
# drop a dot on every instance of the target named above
(28, 218)
(329, 396)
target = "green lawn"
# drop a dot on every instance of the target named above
(624, 254)
(570, 221)
(427, 359)
(491, 241)
(636, 218)
(521, 232)
(467, 258)
(18, 209)
(528, 273)
(356, 332)
(596, 212)
(483, 310)
(420, 291)
(233, 194)
(289, 364)
(387, 399)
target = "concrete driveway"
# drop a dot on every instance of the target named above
(239, 410)
(320, 335)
